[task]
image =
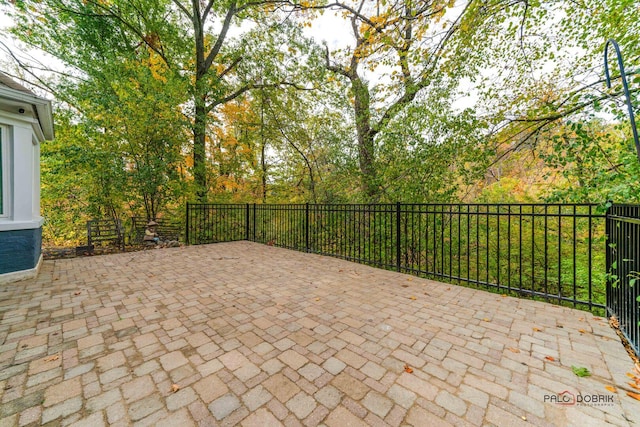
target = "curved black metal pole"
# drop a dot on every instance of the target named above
(625, 86)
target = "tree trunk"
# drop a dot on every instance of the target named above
(366, 151)
(200, 101)
(199, 152)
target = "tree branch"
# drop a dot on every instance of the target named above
(569, 111)
(412, 88)
(184, 9)
(110, 13)
(335, 68)
(42, 84)
(230, 67)
(207, 9)
(250, 86)
(221, 36)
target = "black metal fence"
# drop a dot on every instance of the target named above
(548, 251)
(623, 266)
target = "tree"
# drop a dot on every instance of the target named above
(555, 70)
(191, 39)
(81, 180)
(138, 111)
(411, 45)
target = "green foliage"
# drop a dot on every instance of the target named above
(80, 180)
(157, 107)
(428, 152)
(580, 371)
(596, 163)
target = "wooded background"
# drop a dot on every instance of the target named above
(159, 102)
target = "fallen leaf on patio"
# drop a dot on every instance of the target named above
(405, 286)
(77, 293)
(340, 271)
(636, 396)
(611, 389)
(580, 371)
(550, 358)
(597, 318)
(537, 330)
(52, 358)
(409, 279)
(504, 295)
(630, 375)
(613, 322)
(408, 369)
(582, 331)
(514, 350)
(175, 387)
(634, 386)
(524, 418)
(412, 297)
(486, 319)
(317, 299)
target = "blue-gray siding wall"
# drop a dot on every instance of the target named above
(19, 249)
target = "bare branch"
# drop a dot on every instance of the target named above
(569, 111)
(42, 84)
(250, 86)
(335, 68)
(230, 67)
(221, 36)
(184, 9)
(207, 10)
(295, 147)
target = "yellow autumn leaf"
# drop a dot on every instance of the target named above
(634, 395)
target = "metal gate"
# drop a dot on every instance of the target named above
(623, 268)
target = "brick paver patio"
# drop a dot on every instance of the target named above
(247, 334)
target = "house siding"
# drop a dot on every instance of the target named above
(20, 249)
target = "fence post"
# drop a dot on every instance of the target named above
(254, 222)
(398, 235)
(246, 222)
(607, 249)
(186, 233)
(306, 227)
